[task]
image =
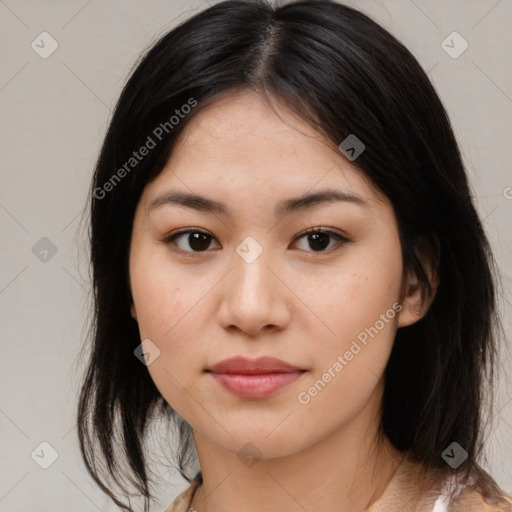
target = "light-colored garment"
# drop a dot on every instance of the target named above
(406, 492)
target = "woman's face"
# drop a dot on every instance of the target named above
(255, 285)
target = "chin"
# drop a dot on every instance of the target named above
(261, 439)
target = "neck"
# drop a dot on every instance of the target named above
(344, 472)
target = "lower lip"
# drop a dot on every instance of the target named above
(256, 386)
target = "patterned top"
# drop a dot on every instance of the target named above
(406, 492)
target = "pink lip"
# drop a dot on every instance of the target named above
(254, 378)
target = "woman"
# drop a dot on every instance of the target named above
(289, 267)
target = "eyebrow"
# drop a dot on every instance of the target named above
(296, 204)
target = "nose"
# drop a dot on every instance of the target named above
(255, 299)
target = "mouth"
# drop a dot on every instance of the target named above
(256, 378)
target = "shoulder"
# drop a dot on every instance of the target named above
(416, 488)
(182, 502)
(475, 501)
(479, 494)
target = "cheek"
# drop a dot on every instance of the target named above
(349, 364)
(158, 294)
(360, 309)
(166, 317)
(356, 293)
(162, 318)
(374, 275)
(169, 302)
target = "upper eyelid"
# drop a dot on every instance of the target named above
(302, 233)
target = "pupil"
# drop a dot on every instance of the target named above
(198, 241)
(319, 239)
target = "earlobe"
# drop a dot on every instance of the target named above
(133, 311)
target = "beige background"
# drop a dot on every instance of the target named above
(54, 113)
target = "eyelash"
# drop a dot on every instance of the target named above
(341, 240)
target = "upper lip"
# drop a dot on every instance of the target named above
(243, 365)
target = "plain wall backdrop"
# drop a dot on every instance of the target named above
(63, 65)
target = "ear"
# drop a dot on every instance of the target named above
(133, 311)
(415, 299)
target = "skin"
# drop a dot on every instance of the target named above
(293, 302)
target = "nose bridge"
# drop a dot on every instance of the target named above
(251, 276)
(253, 299)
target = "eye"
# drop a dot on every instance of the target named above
(318, 239)
(199, 241)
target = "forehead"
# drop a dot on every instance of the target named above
(242, 124)
(240, 146)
